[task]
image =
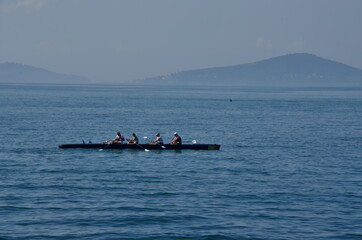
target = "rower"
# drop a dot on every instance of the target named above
(176, 140)
(158, 139)
(133, 139)
(119, 138)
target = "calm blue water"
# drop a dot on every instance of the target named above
(290, 164)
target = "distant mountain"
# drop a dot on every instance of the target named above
(19, 73)
(300, 69)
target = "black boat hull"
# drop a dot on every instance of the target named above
(143, 146)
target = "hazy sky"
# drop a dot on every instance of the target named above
(122, 40)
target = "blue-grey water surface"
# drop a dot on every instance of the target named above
(290, 164)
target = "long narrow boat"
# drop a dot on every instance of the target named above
(143, 146)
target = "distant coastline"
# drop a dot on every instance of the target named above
(20, 73)
(291, 70)
(299, 69)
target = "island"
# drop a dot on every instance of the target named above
(20, 73)
(299, 69)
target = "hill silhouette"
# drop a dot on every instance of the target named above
(299, 69)
(20, 73)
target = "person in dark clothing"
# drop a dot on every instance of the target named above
(176, 140)
(133, 139)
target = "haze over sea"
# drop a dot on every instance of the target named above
(290, 164)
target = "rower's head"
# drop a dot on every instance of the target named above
(133, 134)
(175, 133)
(157, 135)
(118, 133)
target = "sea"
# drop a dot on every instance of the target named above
(289, 166)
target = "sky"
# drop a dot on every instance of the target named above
(115, 41)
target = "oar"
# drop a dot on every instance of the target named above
(161, 145)
(146, 150)
(105, 147)
(193, 141)
(145, 137)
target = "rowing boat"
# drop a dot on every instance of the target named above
(143, 146)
